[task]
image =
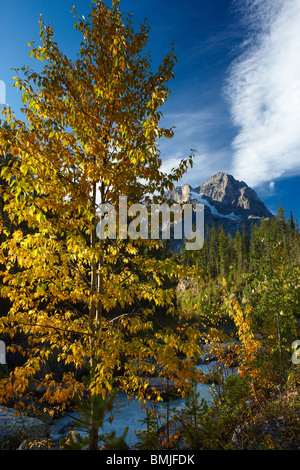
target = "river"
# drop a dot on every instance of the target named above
(130, 412)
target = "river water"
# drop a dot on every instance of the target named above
(130, 413)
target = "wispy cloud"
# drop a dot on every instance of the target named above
(205, 164)
(264, 93)
(195, 131)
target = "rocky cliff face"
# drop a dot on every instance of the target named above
(229, 195)
(227, 202)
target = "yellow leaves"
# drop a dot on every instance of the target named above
(5, 172)
(40, 217)
(60, 393)
(114, 49)
(88, 122)
(131, 249)
(249, 346)
(63, 395)
(117, 51)
(18, 236)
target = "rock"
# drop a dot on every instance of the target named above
(161, 384)
(15, 427)
(42, 444)
(229, 195)
(181, 194)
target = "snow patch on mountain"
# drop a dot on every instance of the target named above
(214, 211)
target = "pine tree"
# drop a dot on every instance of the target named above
(245, 246)
(213, 252)
(238, 251)
(224, 254)
(292, 221)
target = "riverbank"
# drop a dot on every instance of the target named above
(128, 413)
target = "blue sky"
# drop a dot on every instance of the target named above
(236, 94)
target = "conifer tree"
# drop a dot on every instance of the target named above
(238, 251)
(245, 245)
(224, 253)
(213, 252)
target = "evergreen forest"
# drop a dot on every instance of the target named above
(246, 294)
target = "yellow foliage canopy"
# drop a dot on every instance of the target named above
(90, 134)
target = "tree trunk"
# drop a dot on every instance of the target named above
(93, 443)
(96, 311)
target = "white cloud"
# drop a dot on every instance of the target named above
(264, 93)
(205, 164)
(272, 186)
(192, 130)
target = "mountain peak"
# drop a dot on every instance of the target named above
(227, 202)
(230, 195)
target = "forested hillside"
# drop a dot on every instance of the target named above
(246, 292)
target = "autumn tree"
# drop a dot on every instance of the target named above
(90, 135)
